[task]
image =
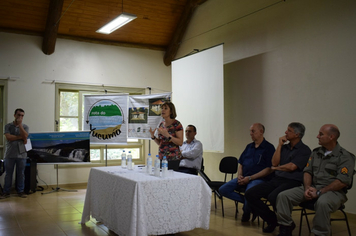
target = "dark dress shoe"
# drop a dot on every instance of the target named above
(254, 217)
(293, 226)
(270, 228)
(245, 218)
(286, 230)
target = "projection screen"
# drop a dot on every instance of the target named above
(198, 94)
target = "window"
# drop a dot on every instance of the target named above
(69, 117)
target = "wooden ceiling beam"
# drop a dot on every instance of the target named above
(52, 24)
(173, 47)
(111, 42)
(88, 40)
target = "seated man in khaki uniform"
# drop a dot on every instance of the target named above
(327, 175)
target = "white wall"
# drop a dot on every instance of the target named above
(21, 57)
(289, 62)
(293, 61)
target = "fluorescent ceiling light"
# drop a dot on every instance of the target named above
(116, 23)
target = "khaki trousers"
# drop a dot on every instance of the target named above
(327, 203)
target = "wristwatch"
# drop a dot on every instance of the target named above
(169, 138)
(153, 138)
(249, 178)
(318, 193)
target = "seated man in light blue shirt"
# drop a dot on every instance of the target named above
(192, 152)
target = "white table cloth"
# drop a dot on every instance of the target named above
(131, 202)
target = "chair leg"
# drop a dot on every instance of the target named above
(306, 217)
(236, 205)
(215, 199)
(301, 222)
(347, 221)
(222, 207)
(303, 213)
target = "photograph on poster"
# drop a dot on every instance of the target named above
(138, 115)
(155, 106)
(59, 147)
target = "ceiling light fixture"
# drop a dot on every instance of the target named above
(116, 23)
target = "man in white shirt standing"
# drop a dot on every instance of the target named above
(192, 152)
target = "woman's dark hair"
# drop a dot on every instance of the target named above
(172, 108)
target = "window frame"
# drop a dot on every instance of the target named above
(92, 89)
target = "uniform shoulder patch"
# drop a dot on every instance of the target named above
(344, 171)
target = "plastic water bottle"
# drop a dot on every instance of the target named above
(123, 159)
(157, 166)
(164, 167)
(129, 161)
(149, 164)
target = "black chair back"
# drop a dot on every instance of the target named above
(173, 165)
(352, 182)
(228, 165)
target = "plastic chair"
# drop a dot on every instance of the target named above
(228, 165)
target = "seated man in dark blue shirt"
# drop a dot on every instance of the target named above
(254, 166)
(288, 162)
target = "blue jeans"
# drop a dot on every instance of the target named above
(20, 174)
(228, 190)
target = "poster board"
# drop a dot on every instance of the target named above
(60, 147)
(105, 116)
(145, 113)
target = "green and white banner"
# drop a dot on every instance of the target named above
(105, 116)
(145, 112)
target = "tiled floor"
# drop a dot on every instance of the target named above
(59, 213)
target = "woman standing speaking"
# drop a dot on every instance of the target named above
(170, 133)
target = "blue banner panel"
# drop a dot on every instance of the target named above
(59, 147)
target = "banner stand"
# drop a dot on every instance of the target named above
(57, 189)
(149, 141)
(106, 155)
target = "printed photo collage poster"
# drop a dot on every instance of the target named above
(145, 113)
(114, 118)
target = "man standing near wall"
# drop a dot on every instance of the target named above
(328, 174)
(15, 154)
(288, 162)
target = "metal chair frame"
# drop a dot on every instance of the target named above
(215, 185)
